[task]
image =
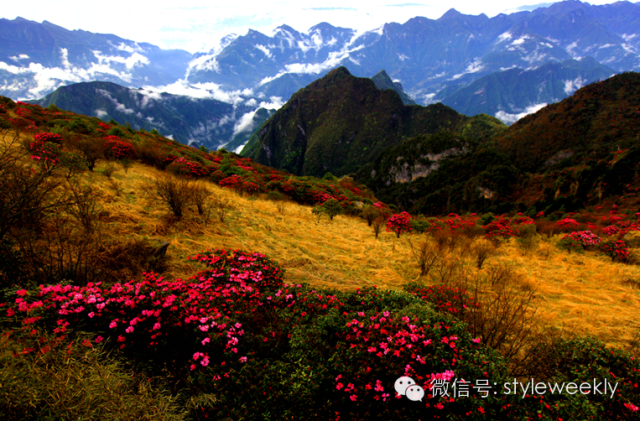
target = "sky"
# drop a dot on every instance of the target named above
(198, 25)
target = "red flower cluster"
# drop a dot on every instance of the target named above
(499, 228)
(46, 153)
(617, 250)
(185, 167)
(584, 238)
(48, 137)
(143, 314)
(568, 223)
(119, 149)
(399, 223)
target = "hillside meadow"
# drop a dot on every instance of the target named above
(198, 285)
(582, 294)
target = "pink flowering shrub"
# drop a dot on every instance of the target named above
(183, 166)
(399, 223)
(237, 332)
(583, 238)
(617, 250)
(44, 152)
(48, 137)
(117, 148)
(568, 224)
(499, 228)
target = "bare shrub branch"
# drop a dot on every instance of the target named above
(426, 255)
(173, 192)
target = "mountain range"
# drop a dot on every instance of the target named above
(201, 121)
(506, 66)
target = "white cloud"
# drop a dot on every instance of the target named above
(570, 86)
(244, 123)
(512, 118)
(100, 113)
(275, 102)
(19, 57)
(119, 107)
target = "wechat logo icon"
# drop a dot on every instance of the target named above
(406, 386)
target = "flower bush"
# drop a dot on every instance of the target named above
(48, 137)
(45, 153)
(183, 166)
(500, 227)
(399, 223)
(117, 148)
(583, 238)
(617, 250)
(237, 332)
(568, 224)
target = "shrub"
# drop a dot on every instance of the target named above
(331, 208)
(426, 255)
(48, 378)
(182, 166)
(173, 192)
(92, 150)
(117, 148)
(47, 154)
(399, 223)
(482, 250)
(48, 137)
(455, 301)
(617, 250)
(73, 163)
(568, 224)
(584, 238)
(499, 228)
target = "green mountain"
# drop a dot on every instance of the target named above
(188, 120)
(339, 123)
(509, 93)
(600, 118)
(578, 152)
(383, 81)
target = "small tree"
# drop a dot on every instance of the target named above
(377, 225)
(330, 208)
(370, 214)
(399, 223)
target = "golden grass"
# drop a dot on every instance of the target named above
(582, 294)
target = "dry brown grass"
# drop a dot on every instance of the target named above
(580, 293)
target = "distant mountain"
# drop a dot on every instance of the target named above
(383, 81)
(511, 93)
(36, 58)
(188, 120)
(339, 123)
(427, 55)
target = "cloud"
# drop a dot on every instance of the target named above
(512, 118)
(119, 107)
(101, 113)
(275, 102)
(570, 86)
(244, 123)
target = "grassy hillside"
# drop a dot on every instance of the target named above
(278, 319)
